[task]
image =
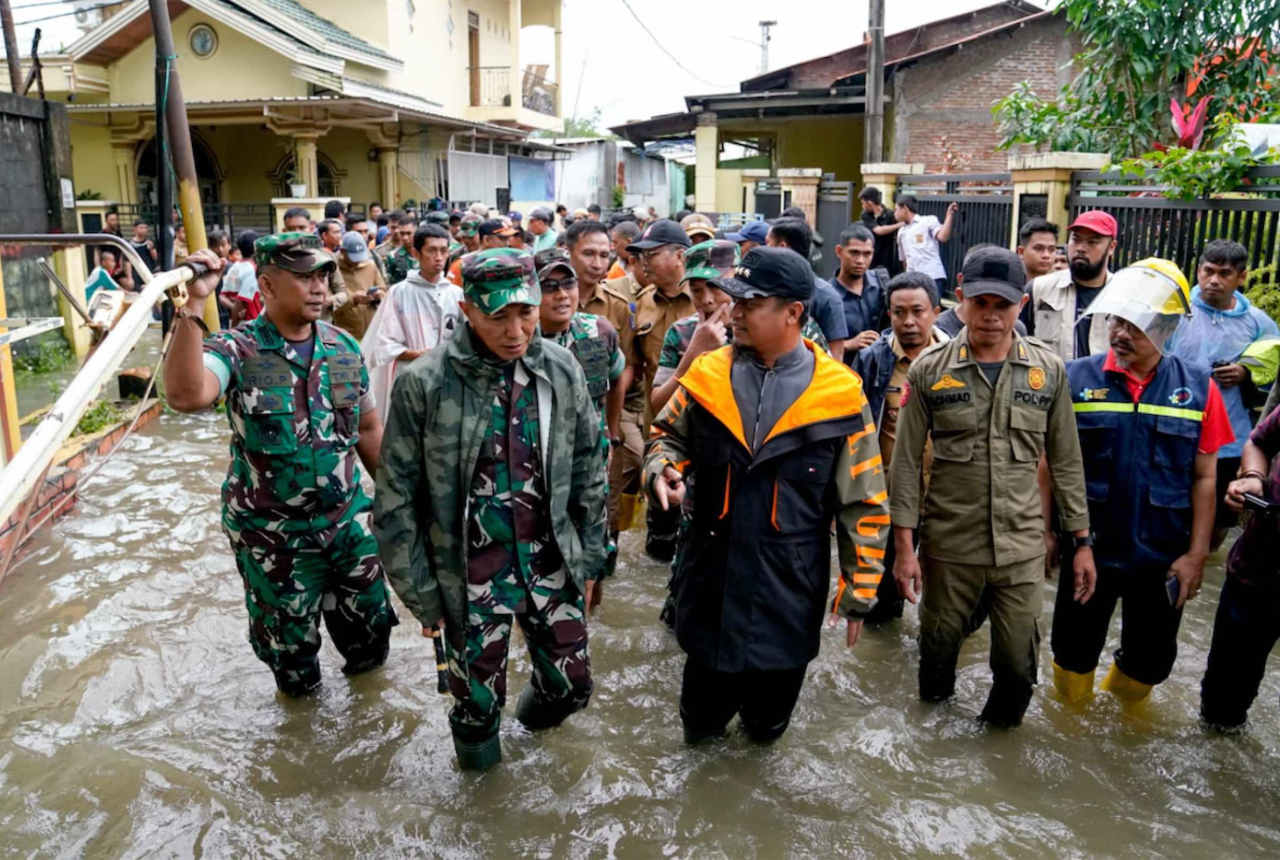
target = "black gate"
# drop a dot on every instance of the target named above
(769, 198)
(1151, 225)
(985, 213)
(835, 214)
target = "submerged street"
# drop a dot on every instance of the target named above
(137, 723)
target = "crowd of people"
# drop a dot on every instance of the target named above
(525, 388)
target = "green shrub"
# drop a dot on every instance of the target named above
(1263, 289)
(50, 356)
(100, 416)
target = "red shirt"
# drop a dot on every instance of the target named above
(1215, 427)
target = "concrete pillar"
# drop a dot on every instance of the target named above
(10, 432)
(69, 263)
(884, 175)
(308, 167)
(555, 19)
(126, 171)
(388, 173)
(802, 182)
(706, 139)
(1049, 174)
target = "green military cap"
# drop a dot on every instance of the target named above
(714, 259)
(300, 253)
(550, 259)
(437, 216)
(469, 225)
(495, 278)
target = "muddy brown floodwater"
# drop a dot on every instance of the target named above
(135, 722)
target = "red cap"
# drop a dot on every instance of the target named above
(1097, 221)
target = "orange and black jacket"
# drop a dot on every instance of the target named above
(754, 570)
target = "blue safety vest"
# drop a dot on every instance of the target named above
(1139, 458)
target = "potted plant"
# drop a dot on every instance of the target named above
(297, 184)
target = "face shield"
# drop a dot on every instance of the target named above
(1152, 298)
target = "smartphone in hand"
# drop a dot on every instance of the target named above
(1174, 588)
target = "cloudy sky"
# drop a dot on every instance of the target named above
(610, 62)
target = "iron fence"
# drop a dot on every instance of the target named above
(985, 213)
(231, 218)
(1151, 225)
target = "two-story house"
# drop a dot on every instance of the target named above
(386, 100)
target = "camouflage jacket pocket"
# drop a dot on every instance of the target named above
(268, 421)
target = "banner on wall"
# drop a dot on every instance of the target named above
(531, 178)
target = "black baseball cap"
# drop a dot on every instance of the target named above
(766, 271)
(994, 271)
(664, 231)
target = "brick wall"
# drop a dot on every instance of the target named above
(951, 94)
(823, 71)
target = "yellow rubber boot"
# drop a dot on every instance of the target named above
(1073, 687)
(627, 504)
(1126, 689)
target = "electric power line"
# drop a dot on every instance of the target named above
(665, 51)
(60, 14)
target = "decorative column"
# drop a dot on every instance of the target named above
(1042, 181)
(388, 171)
(706, 138)
(884, 175)
(126, 170)
(305, 162)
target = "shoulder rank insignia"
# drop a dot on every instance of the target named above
(947, 381)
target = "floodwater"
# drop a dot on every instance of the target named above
(135, 722)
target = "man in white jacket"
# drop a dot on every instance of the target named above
(417, 315)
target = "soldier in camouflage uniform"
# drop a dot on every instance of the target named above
(594, 343)
(490, 504)
(400, 262)
(301, 412)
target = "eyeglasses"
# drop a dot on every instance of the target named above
(653, 252)
(552, 285)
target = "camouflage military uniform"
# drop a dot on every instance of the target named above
(594, 342)
(399, 264)
(435, 529)
(515, 571)
(299, 523)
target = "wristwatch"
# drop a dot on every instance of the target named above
(615, 442)
(1078, 542)
(185, 314)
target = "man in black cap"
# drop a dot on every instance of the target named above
(992, 403)
(773, 439)
(667, 299)
(494, 234)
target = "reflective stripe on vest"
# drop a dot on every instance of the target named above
(1141, 408)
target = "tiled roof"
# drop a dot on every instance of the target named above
(326, 28)
(265, 24)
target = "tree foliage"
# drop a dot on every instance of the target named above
(1136, 55)
(581, 126)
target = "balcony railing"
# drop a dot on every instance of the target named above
(491, 87)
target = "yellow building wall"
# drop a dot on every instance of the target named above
(728, 190)
(834, 145)
(92, 161)
(240, 68)
(435, 62)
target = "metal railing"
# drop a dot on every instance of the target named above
(495, 89)
(985, 212)
(231, 218)
(1150, 224)
(30, 463)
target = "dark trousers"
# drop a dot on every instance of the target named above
(1244, 632)
(1148, 626)
(764, 700)
(889, 601)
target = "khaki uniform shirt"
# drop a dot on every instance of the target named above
(351, 317)
(982, 505)
(624, 285)
(655, 313)
(614, 306)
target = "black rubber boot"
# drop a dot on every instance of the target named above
(297, 682)
(478, 755)
(365, 659)
(538, 715)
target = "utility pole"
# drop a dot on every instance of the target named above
(11, 55)
(764, 44)
(873, 145)
(171, 117)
